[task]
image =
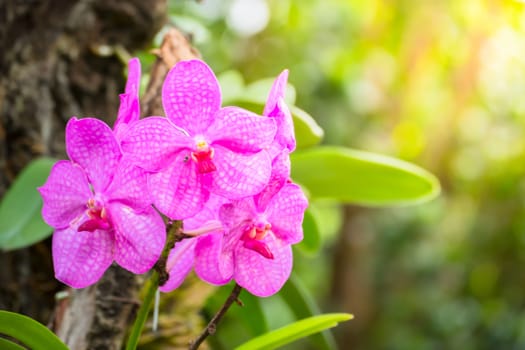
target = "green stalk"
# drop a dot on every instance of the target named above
(158, 277)
(143, 312)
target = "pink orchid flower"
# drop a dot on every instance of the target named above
(277, 109)
(199, 148)
(255, 247)
(97, 205)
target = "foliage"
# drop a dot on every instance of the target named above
(20, 221)
(28, 331)
(436, 83)
(294, 331)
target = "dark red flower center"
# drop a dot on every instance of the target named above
(97, 218)
(253, 240)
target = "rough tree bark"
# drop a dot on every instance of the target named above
(59, 59)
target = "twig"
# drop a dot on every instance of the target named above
(174, 235)
(212, 326)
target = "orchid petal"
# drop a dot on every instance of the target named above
(91, 144)
(280, 175)
(285, 212)
(130, 186)
(64, 194)
(277, 91)
(232, 214)
(212, 263)
(207, 214)
(81, 258)
(241, 130)
(139, 237)
(261, 276)
(133, 82)
(191, 96)
(179, 264)
(129, 109)
(152, 143)
(177, 191)
(238, 175)
(285, 135)
(128, 113)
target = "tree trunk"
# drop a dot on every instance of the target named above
(58, 59)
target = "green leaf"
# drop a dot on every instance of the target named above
(294, 331)
(307, 132)
(303, 305)
(358, 177)
(21, 223)
(33, 334)
(312, 237)
(6, 344)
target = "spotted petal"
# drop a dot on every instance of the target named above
(238, 175)
(179, 263)
(139, 237)
(153, 143)
(277, 91)
(285, 212)
(91, 144)
(285, 136)
(129, 109)
(213, 264)
(232, 214)
(208, 213)
(241, 130)
(133, 82)
(130, 186)
(65, 194)
(280, 175)
(81, 258)
(177, 191)
(191, 96)
(261, 276)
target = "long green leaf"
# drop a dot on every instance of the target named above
(294, 331)
(303, 305)
(358, 177)
(21, 223)
(307, 132)
(33, 334)
(6, 344)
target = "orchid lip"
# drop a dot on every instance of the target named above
(97, 218)
(253, 239)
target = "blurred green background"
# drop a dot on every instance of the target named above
(437, 83)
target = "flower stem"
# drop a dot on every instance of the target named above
(174, 235)
(158, 278)
(212, 326)
(143, 312)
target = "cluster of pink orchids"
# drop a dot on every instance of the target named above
(224, 171)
